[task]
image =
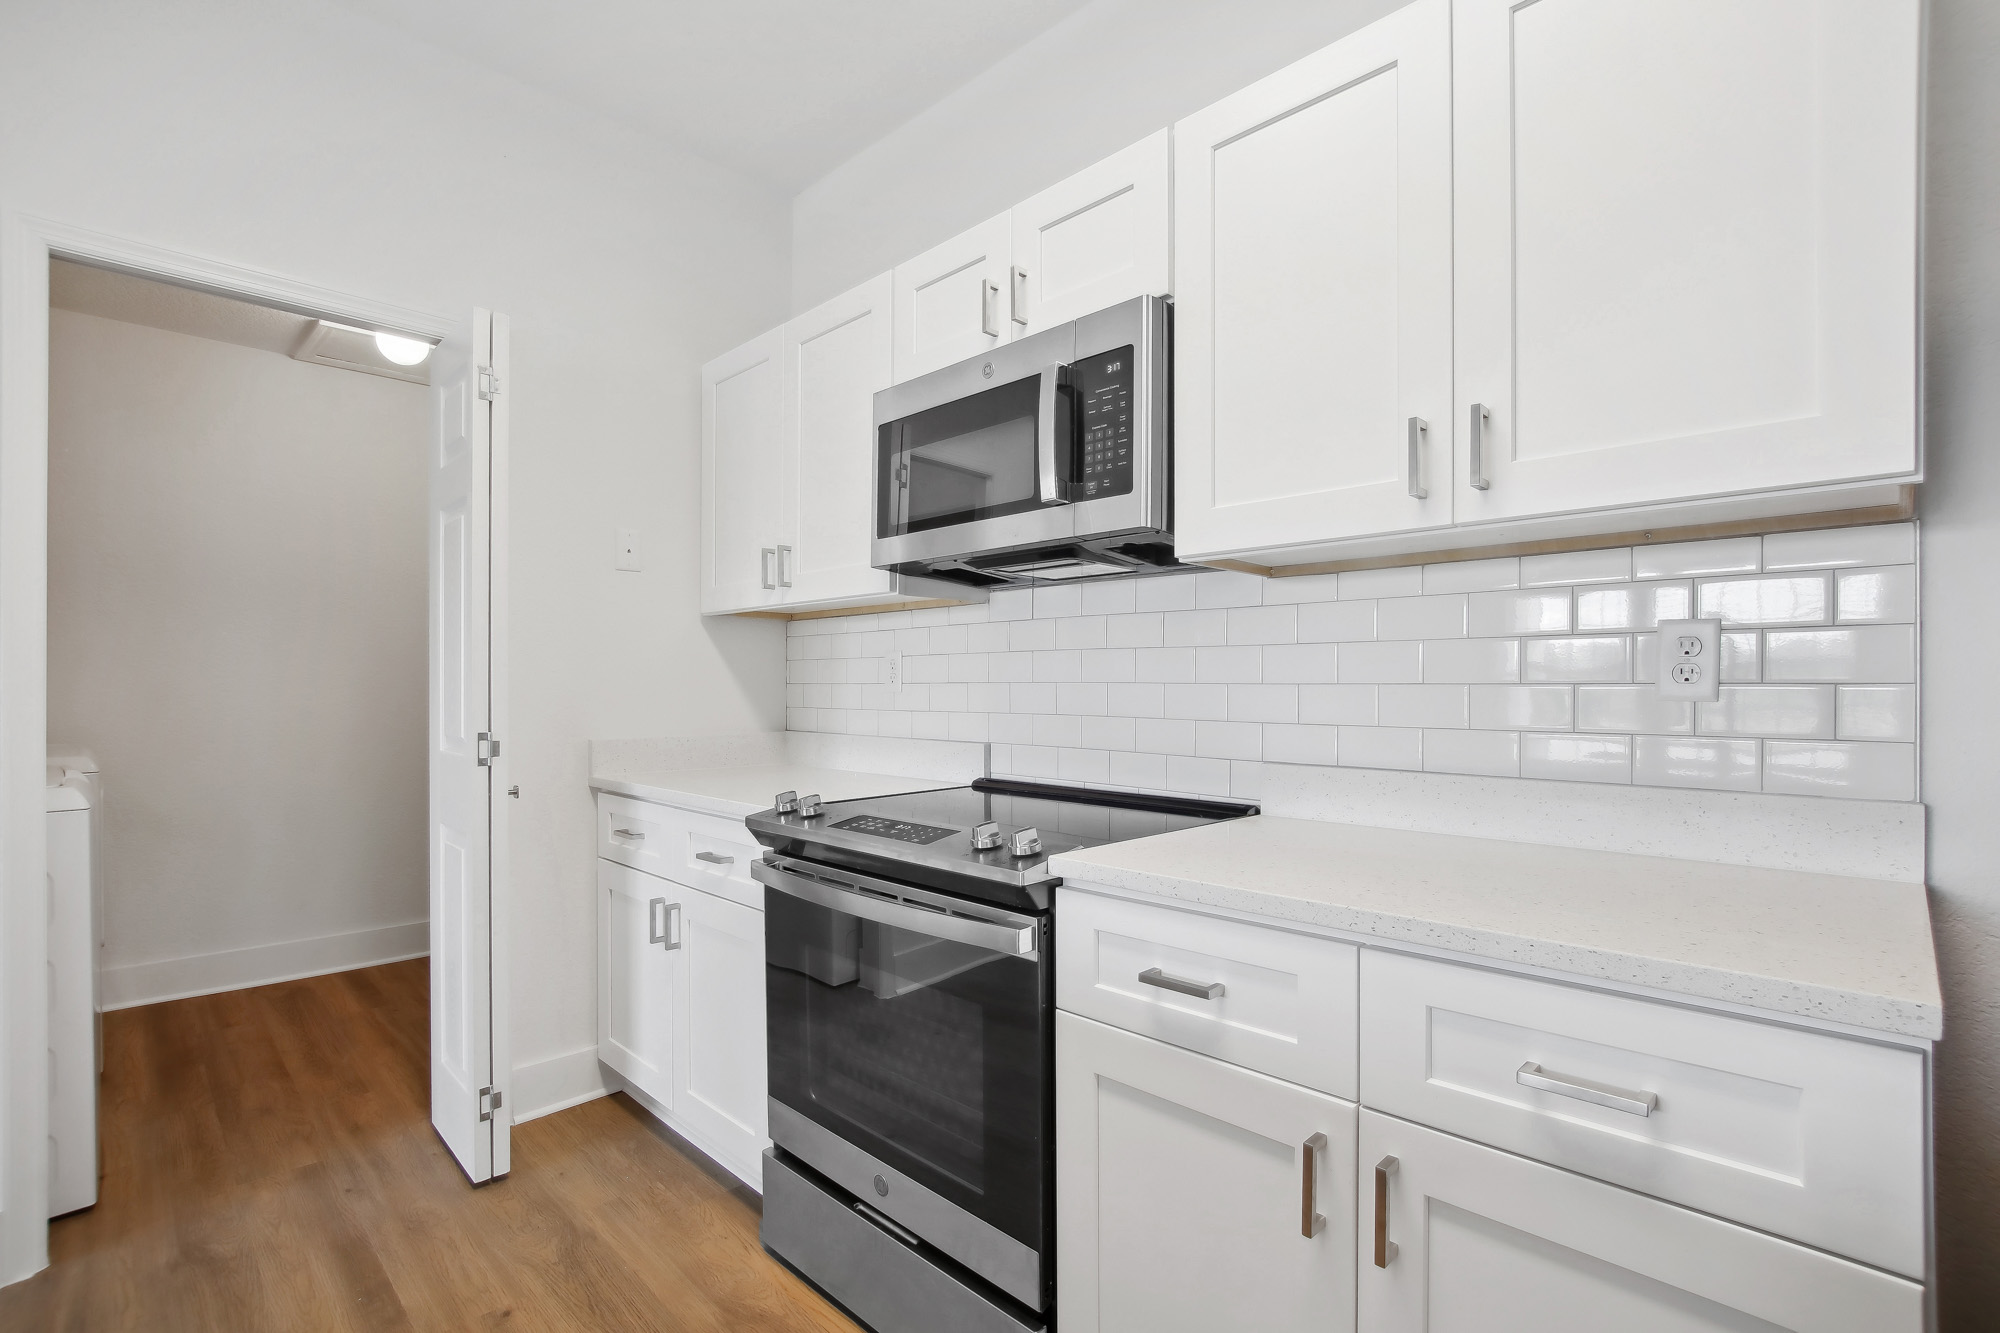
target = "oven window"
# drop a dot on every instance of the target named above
(965, 460)
(929, 1054)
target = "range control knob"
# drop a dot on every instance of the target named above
(787, 802)
(809, 807)
(1027, 842)
(985, 837)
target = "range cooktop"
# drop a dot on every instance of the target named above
(995, 835)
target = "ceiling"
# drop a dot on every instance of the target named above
(785, 90)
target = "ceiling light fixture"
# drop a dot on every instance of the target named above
(403, 351)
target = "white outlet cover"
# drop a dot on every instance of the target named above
(626, 545)
(1690, 664)
(892, 670)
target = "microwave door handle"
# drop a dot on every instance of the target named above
(1050, 487)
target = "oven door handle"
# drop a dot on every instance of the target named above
(1014, 941)
(1051, 487)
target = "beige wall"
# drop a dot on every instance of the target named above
(237, 632)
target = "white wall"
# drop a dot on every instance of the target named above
(1058, 105)
(237, 633)
(307, 142)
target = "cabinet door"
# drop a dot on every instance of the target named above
(1094, 240)
(638, 976)
(834, 359)
(1181, 1191)
(745, 484)
(1486, 1242)
(1686, 247)
(1312, 275)
(719, 1081)
(951, 301)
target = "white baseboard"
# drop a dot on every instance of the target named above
(259, 965)
(557, 1083)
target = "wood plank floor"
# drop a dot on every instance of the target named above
(269, 1164)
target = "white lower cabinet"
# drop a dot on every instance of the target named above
(1488, 1242)
(1184, 1189)
(638, 976)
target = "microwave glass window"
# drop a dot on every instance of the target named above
(966, 460)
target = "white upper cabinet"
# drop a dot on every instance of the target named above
(745, 487)
(1686, 248)
(834, 360)
(1312, 275)
(1094, 240)
(951, 300)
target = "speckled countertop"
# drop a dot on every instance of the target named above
(1826, 947)
(736, 792)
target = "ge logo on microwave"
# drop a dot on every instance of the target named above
(987, 370)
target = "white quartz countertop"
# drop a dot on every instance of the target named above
(1815, 946)
(736, 792)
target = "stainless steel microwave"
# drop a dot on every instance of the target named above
(1047, 460)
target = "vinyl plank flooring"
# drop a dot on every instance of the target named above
(269, 1164)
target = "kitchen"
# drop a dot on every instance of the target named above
(1432, 657)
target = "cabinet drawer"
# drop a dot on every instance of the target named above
(1283, 1003)
(634, 833)
(1811, 1136)
(715, 854)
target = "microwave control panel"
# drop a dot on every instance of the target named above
(1103, 388)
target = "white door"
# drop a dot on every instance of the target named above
(1093, 240)
(1183, 1185)
(951, 299)
(1312, 275)
(834, 359)
(746, 490)
(465, 475)
(1686, 247)
(1487, 1242)
(721, 1039)
(640, 926)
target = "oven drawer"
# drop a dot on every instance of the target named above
(635, 833)
(1808, 1135)
(1283, 1003)
(715, 854)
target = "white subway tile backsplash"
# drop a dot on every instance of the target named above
(1864, 770)
(1876, 713)
(1885, 653)
(1785, 599)
(1696, 761)
(1886, 595)
(1539, 666)
(1544, 571)
(1837, 548)
(1472, 575)
(1679, 560)
(1420, 617)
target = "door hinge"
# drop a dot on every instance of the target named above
(489, 749)
(489, 1102)
(489, 384)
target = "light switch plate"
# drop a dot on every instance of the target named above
(627, 546)
(1690, 660)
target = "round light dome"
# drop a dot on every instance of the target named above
(403, 351)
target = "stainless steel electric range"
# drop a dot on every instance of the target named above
(910, 980)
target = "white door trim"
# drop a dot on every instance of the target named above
(26, 245)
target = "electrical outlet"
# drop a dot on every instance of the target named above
(892, 671)
(1690, 660)
(627, 547)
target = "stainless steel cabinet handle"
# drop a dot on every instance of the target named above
(671, 936)
(784, 561)
(1201, 990)
(1385, 1249)
(656, 926)
(1017, 294)
(1310, 1221)
(1531, 1075)
(1050, 485)
(715, 858)
(633, 834)
(1419, 485)
(989, 307)
(764, 565)
(1482, 417)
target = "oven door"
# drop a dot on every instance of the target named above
(911, 1050)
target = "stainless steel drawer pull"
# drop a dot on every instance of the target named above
(715, 858)
(1311, 1223)
(633, 834)
(1420, 487)
(656, 926)
(1482, 418)
(1531, 1075)
(670, 938)
(1201, 990)
(1385, 1249)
